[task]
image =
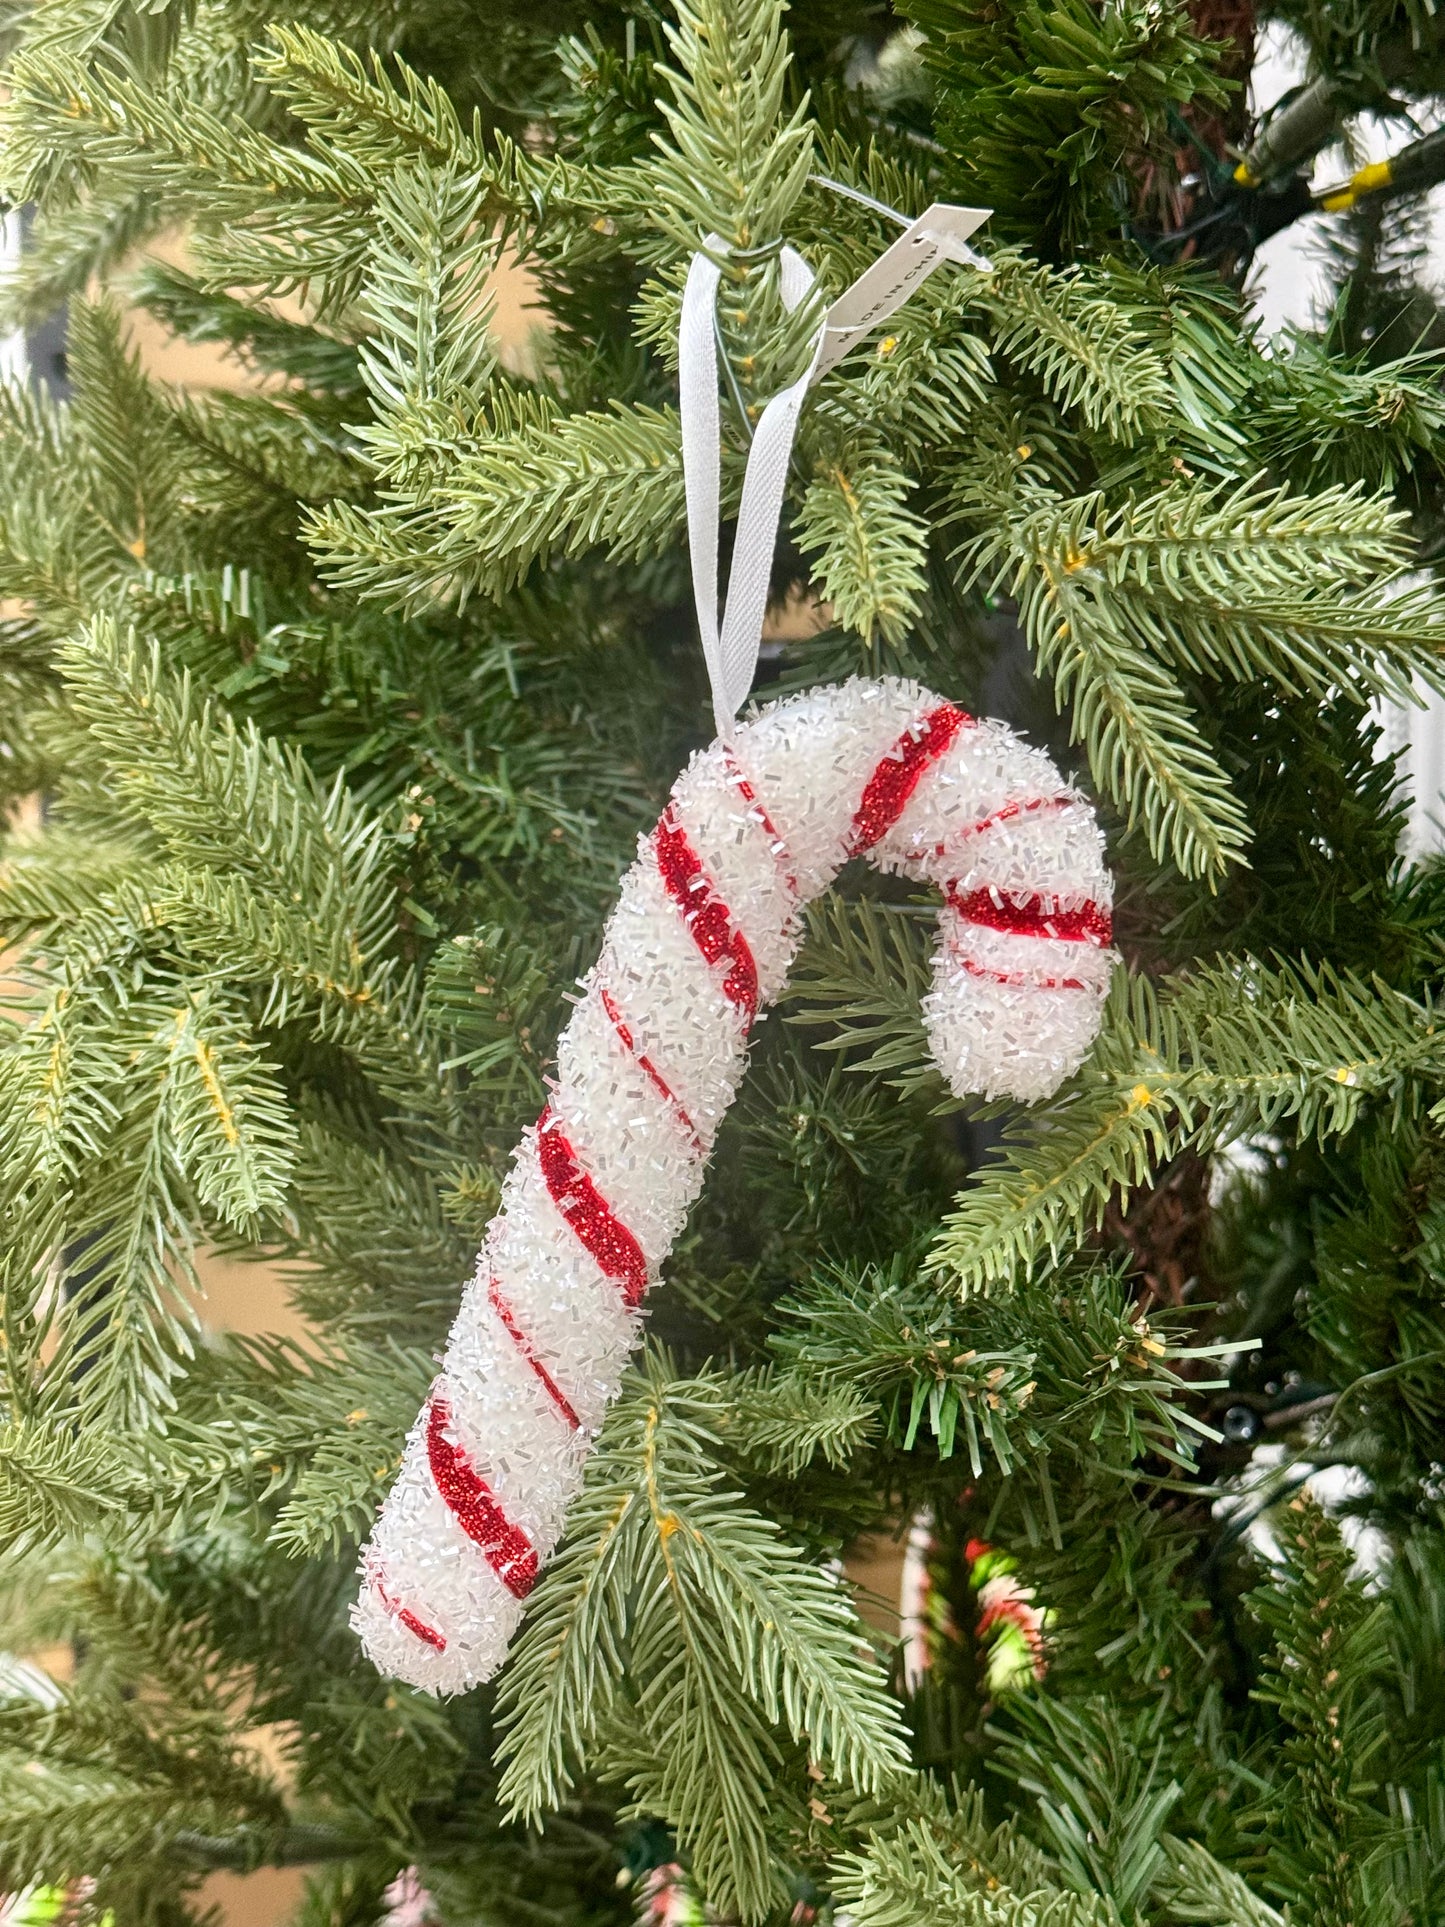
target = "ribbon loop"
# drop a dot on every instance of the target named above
(730, 648)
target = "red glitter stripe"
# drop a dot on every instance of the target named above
(1017, 979)
(407, 1618)
(524, 1345)
(770, 829)
(420, 1629)
(597, 1226)
(706, 915)
(658, 1081)
(510, 1553)
(886, 794)
(1007, 814)
(1034, 917)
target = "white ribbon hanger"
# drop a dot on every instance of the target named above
(731, 649)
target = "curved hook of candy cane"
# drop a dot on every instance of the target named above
(699, 945)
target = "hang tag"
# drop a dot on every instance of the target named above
(940, 234)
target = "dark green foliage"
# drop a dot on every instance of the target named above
(1047, 102)
(1328, 1677)
(348, 696)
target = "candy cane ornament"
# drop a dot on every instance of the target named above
(700, 943)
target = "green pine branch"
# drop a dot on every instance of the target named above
(1325, 1677)
(512, 501)
(862, 974)
(352, 104)
(677, 1629)
(1062, 1366)
(784, 1421)
(930, 1861)
(267, 341)
(870, 546)
(1238, 583)
(56, 1486)
(1085, 341)
(1240, 1048)
(431, 362)
(735, 160)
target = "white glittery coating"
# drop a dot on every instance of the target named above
(650, 1061)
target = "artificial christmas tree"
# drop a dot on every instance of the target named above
(349, 696)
